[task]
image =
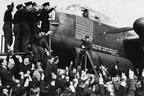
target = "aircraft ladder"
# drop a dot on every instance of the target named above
(87, 55)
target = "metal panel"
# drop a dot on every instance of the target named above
(84, 27)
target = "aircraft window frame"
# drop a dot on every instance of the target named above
(52, 15)
(85, 12)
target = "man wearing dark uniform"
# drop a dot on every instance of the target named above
(86, 43)
(33, 20)
(38, 46)
(25, 28)
(44, 16)
(7, 27)
(86, 46)
(17, 28)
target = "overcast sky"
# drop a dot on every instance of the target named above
(123, 12)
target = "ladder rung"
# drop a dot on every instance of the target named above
(19, 53)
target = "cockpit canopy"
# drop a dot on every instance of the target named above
(92, 14)
(84, 11)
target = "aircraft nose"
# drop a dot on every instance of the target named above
(138, 27)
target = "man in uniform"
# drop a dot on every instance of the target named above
(33, 20)
(17, 28)
(86, 46)
(25, 28)
(39, 45)
(86, 43)
(44, 16)
(7, 27)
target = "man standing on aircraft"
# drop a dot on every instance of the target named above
(86, 46)
(44, 16)
(25, 28)
(33, 20)
(7, 27)
(17, 27)
(86, 43)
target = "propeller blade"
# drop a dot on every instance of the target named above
(119, 30)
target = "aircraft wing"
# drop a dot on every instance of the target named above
(119, 30)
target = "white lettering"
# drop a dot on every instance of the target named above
(105, 49)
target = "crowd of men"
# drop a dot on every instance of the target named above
(40, 76)
(31, 28)
(20, 77)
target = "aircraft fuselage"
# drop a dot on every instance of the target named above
(108, 49)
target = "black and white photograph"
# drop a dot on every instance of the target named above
(72, 48)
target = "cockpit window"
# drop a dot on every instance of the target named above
(85, 13)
